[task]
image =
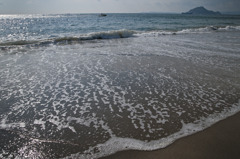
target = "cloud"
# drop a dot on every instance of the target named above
(97, 6)
(224, 5)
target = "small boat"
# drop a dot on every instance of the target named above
(103, 15)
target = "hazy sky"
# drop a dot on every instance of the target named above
(113, 6)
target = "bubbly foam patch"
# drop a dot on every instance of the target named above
(116, 144)
(102, 97)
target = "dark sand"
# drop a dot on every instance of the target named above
(220, 141)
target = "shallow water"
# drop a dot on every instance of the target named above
(91, 98)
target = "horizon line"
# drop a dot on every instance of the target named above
(150, 12)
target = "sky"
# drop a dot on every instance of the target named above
(113, 6)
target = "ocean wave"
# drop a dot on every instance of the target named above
(230, 28)
(209, 29)
(156, 33)
(113, 34)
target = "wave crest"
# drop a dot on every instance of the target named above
(209, 29)
(115, 34)
(111, 34)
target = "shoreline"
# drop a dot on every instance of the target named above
(220, 141)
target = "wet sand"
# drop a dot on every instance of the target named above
(220, 141)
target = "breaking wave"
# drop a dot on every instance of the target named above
(210, 29)
(114, 34)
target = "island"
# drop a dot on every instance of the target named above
(201, 11)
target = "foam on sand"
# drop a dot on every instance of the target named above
(133, 93)
(116, 144)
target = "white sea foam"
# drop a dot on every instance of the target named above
(83, 90)
(155, 33)
(198, 30)
(209, 29)
(112, 34)
(5, 125)
(116, 144)
(229, 28)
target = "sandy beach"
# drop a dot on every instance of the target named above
(220, 141)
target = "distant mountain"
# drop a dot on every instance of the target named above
(201, 11)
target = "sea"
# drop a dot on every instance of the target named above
(86, 86)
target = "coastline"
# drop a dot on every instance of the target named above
(220, 141)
